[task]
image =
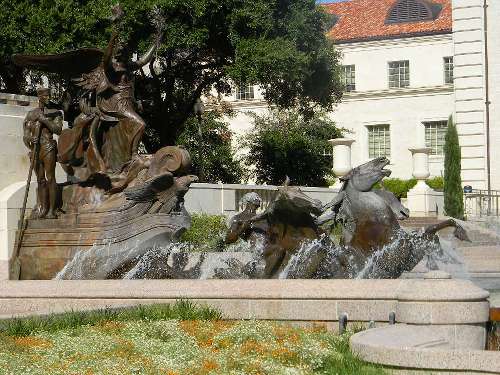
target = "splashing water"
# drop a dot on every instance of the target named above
(306, 258)
(319, 258)
(85, 260)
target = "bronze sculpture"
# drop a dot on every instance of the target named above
(39, 128)
(121, 205)
(113, 195)
(106, 134)
(113, 84)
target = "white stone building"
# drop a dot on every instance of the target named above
(477, 80)
(408, 66)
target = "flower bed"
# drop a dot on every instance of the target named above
(155, 342)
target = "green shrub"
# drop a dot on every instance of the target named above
(398, 187)
(453, 193)
(206, 232)
(215, 153)
(286, 143)
(436, 183)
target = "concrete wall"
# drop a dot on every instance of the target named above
(461, 304)
(223, 199)
(14, 160)
(11, 202)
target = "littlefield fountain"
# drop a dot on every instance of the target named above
(117, 221)
(120, 215)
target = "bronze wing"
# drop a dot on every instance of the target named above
(71, 63)
(148, 191)
(83, 63)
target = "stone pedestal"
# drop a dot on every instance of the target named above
(421, 199)
(11, 201)
(341, 158)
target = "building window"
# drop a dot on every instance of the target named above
(413, 11)
(379, 141)
(349, 77)
(435, 132)
(244, 92)
(399, 74)
(448, 70)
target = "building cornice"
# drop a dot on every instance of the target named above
(361, 95)
(446, 37)
(248, 104)
(389, 38)
(397, 93)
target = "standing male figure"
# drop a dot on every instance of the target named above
(39, 127)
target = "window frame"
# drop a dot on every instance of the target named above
(403, 68)
(438, 129)
(244, 92)
(387, 143)
(448, 70)
(349, 77)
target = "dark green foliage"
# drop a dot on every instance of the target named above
(206, 232)
(398, 187)
(436, 183)
(285, 143)
(279, 45)
(453, 193)
(217, 155)
(182, 310)
(493, 336)
(343, 361)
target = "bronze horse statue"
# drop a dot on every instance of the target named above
(370, 226)
(293, 232)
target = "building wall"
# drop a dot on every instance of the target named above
(468, 41)
(371, 60)
(427, 98)
(404, 109)
(494, 81)
(405, 114)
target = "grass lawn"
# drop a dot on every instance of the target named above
(177, 339)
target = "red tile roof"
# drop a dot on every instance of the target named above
(365, 20)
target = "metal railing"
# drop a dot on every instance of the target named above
(479, 203)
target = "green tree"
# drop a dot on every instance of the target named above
(279, 45)
(214, 150)
(453, 194)
(285, 143)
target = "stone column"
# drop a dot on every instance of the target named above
(421, 199)
(341, 158)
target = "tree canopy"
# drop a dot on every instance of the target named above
(285, 143)
(278, 44)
